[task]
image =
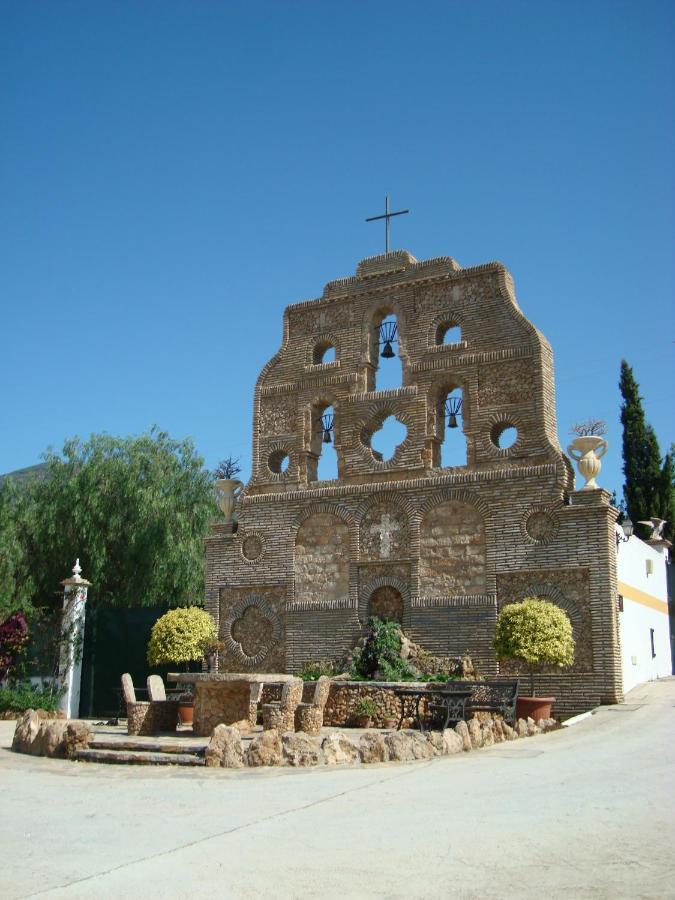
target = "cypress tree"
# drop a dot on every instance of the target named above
(643, 486)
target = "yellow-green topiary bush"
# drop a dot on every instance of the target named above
(180, 636)
(536, 633)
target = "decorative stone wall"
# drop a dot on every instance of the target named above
(452, 541)
(452, 551)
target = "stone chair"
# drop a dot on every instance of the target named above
(282, 715)
(309, 716)
(149, 716)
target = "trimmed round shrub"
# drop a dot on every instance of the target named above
(180, 635)
(535, 633)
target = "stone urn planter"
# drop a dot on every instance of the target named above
(534, 707)
(587, 451)
(227, 491)
(362, 721)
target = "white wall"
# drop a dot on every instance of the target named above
(645, 606)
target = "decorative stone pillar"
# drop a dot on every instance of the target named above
(72, 638)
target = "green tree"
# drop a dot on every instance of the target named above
(16, 583)
(648, 489)
(134, 510)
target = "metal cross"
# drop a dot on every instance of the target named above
(384, 531)
(387, 215)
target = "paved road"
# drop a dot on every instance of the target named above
(585, 812)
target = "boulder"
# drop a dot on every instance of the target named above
(452, 742)
(475, 733)
(77, 737)
(299, 749)
(532, 727)
(435, 739)
(225, 749)
(400, 746)
(462, 730)
(487, 734)
(26, 731)
(50, 739)
(339, 750)
(265, 749)
(421, 747)
(521, 728)
(498, 730)
(50, 714)
(373, 748)
(510, 734)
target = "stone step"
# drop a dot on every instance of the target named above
(142, 745)
(136, 757)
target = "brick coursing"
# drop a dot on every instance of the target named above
(462, 541)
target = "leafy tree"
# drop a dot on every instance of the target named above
(16, 583)
(134, 510)
(648, 489)
(536, 633)
(180, 635)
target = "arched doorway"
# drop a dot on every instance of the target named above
(386, 603)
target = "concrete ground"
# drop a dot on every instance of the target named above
(585, 812)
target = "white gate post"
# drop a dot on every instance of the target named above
(72, 638)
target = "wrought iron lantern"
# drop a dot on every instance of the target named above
(387, 332)
(453, 408)
(627, 528)
(327, 427)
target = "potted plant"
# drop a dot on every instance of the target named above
(364, 711)
(587, 449)
(179, 636)
(534, 633)
(390, 721)
(228, 487)
(212, 647)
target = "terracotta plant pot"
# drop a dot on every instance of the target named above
(391, 722)
(534, 707)
(362, 721)
(185, 713)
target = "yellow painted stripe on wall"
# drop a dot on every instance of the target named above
(632, 593)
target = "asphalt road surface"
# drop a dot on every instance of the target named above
(585, 812)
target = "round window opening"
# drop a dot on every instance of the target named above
(278, 462)
(504, 435)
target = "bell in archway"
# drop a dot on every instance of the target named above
(388, 351)
(452, 421)
(326, 437)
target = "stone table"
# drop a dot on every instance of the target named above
(228, 698)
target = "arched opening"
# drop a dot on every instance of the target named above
(504, 435)
(385, 355)
(322, 464)
(449, 430)
(448, 333)
(324, 352)
(386, 603)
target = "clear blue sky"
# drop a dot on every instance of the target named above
(173, 174)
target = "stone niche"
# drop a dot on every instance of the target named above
(566, 588)
(252, 628)
(452, 558)
(321, 560)
(384, 533)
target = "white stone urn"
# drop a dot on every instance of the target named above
(586, 451)
(227, 491)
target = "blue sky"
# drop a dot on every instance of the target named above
(174, 173)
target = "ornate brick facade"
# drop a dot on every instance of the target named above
(442, 548)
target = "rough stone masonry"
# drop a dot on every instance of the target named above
(439, 548)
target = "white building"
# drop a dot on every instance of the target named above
(644, 625)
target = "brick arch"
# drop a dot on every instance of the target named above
(321, 568)
(326, 338)
(452, 546)
(458, 495)
(384, 581)
(385, 497)
(581, 625)
(447, 316)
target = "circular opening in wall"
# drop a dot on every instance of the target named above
(278, 462)
(504, 435)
